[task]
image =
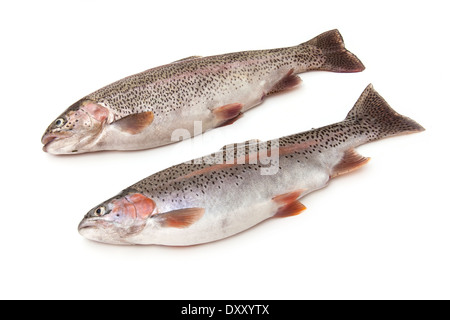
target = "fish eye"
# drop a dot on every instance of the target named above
(59, 122)
(100, 211)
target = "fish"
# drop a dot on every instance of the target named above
(142, 111)
(206, 199)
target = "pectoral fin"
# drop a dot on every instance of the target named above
(134, 123)
(182, 218)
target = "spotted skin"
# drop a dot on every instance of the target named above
(232, 191)
(176, 86)
(191, 89)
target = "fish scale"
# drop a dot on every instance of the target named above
(143, 110)
(221, 194)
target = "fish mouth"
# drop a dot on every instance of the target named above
(88, 230)
(94, 232)
(86, 224)
(47, 138)
(51, 138)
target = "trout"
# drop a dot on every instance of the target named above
(143, 110)
(203, 201)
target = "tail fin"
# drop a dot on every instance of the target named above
(337, 58)
(373, 115)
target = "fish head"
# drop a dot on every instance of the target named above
(77, 129)
(118, 218)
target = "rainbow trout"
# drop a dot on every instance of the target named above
(143, 110)
(228, 192)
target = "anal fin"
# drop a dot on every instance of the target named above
(289, 81)
(135, 123)
(351, 161)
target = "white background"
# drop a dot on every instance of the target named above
(382, 232)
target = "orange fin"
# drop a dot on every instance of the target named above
(288, 197)
(227, 114)
(135, 123)
(290, 81)
(291, 209)
(351, 161)
(181, 218)
(290, 205)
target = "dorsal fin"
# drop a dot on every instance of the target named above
(188, 58)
